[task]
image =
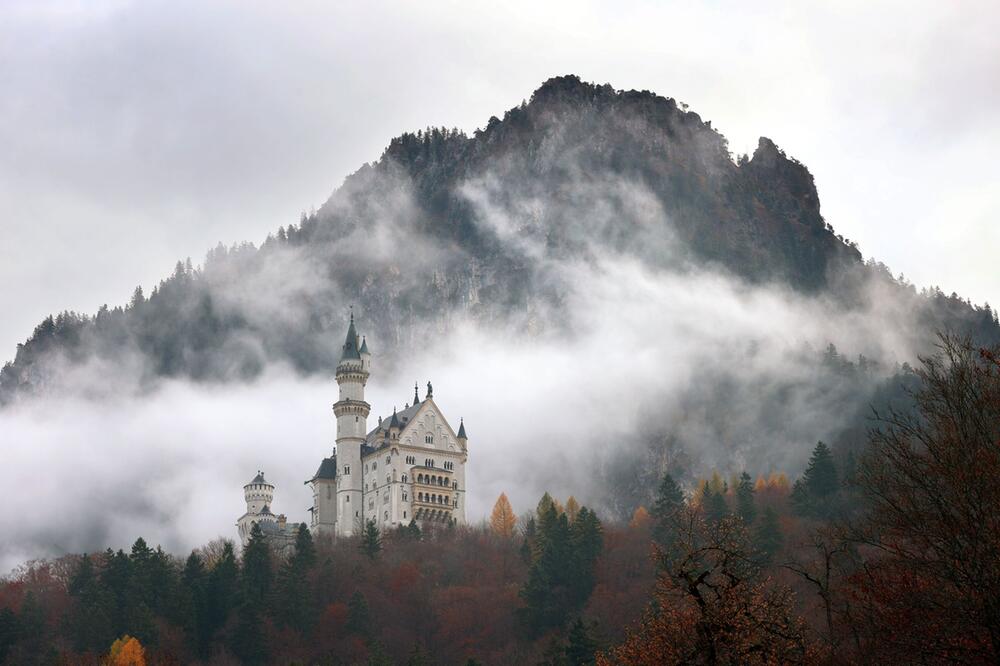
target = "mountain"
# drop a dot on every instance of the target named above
(446, 226)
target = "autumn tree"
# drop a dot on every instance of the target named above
(640, 518)
(503, 520)
(572, 508)
(127, 651)
(714, 605)
(931, 591)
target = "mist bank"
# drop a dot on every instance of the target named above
(651, 370)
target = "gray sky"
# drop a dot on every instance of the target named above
(132, 135)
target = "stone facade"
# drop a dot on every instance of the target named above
(411, 466)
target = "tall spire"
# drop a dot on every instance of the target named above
(416, 393)
(350, 350)
(461, 429)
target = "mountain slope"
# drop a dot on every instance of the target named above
(446, 226)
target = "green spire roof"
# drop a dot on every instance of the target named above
(394, 423)
(461, 430)
(364, 346)
(350, 349)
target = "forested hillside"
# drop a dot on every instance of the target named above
(446, 226)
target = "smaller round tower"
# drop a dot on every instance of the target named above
(259, 494)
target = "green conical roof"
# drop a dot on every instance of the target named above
(350, 350)
(394, 423)
(364, 346)
(461, 430)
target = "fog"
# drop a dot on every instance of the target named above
(97, 468)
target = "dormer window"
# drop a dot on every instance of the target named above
(428, 439)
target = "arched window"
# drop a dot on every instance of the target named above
(388, 460)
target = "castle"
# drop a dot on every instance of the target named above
(410, 467)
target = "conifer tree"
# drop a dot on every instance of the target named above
(572, 508)
(194, 603)
(817, 484)
(746, 506)
(503, 520)
(581, 646)
(224, 588)
(714, 505)
(296, 600)
(257, 567)
(767, 536)
(88, 622)
(371, 539)
(358, 616)
(669, 500)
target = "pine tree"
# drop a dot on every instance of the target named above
(811, 492)
(581, 646)
(503, 520)
(746, 506)
(669, 500)
(767, 536)
(715, 506)
(371, 539)
(88, 622)
(194, 603)
(296, 601)
(358, 616)
(223, 589)
(248, 641)
(257, 567)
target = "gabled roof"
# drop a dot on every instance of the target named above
(405, 418)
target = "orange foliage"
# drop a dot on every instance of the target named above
(503, 520)
(572, 508)
(640, 518)
(127, 651)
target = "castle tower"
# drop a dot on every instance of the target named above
(351, 411)
(259, 494)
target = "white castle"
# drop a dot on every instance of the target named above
(410, 467)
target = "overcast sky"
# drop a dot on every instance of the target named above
(135, 134)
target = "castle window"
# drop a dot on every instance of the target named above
(374, 464)
(388, 460)
(348, 499)
(388, 478)
(454, 484)
(404, 478)
(387, 515)
(404, 514)
(404, 495)
(347, 469)
(428, 439)
(411, 460)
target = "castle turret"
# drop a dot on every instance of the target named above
(351, 411)
(259, 494)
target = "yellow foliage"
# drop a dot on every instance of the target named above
(699, 493)
(503, 520)
(778, 482)
(559, 507)
(640, 518)
(572, 508)
(716, 483)
(760, 485)
(126, 651)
